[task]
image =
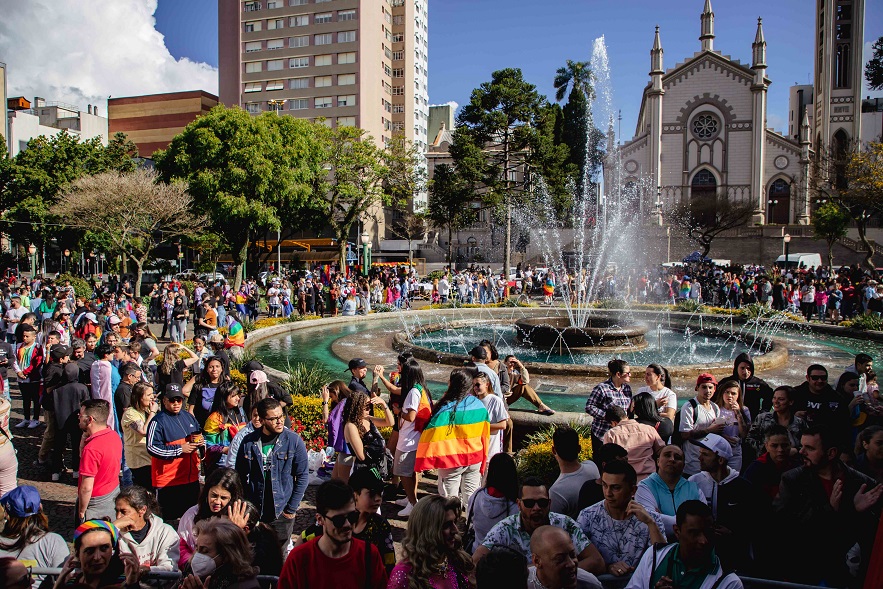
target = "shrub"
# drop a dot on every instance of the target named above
(537, 460)
(612, 304)
(512, 302)
(688, 306)
(306, 380)
(268, 322)
(238, 379)
(237, 362)
(865, 323)
(294, 318)
(81, 286)
(383, 308)
(435, 275)
(755, 311)
(307, 421)
(247, 324)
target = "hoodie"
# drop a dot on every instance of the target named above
(159, 548)
(653, 493)
(709, 486)
(486, 511)
(757, 395)
(66, 399)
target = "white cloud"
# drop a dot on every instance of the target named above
(82, 52)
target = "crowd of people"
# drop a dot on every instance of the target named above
(742, 479)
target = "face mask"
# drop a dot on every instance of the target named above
(202, 564)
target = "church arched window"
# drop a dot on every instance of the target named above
(779, 202)
(703, 197)
(841, 66)
(706, 126)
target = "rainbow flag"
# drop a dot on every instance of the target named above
(424, 409)
(235, 334)
(453, 439)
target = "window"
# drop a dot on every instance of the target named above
(841, 66)
(398, 38)
(397, 55)
(387, 52)
(346, 121)
(397, 108)
(346, 57)
(323, 121)
(386, 104)
(705, 126)
(273, 44)
(398, 73)
(346, 36)
(253, 46)
(253, 107)
(323, 60)
(386, 70)
(253, 67)
(275, 23)
(298, 83)
(298, 62)
(253, 26)
(299, 21)
(298, 104)
(398, 90)
(346, 15)
(398, 126)
(251, 6)
(299, 41)
(275, 105)
(271, 4)
(348, 100)
(274, 65)
(275, 85)
(323, 102)
(253, 87)
(322, 81)
(298, 2)
(346, 79)
(321, 18)
(398, 20)
(323, 39)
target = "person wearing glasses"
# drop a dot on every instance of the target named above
(272, 463)
(173, 442)
(335, 559)
(817, 403)
(613, 391)
(534, 507)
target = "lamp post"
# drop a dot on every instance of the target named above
(67, 260)
(92, 269)
(787, 241)
(366, 260)
(32, 250)
(772, 204)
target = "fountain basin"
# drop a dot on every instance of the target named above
(601, 334)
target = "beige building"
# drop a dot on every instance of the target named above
(4, 124)
(359, 63)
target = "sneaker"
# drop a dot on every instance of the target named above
(23, 423)
(76, 474)
(403, 502)
(55, 477)
(34, 424)
(407, 510)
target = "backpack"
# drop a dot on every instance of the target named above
(676, 434)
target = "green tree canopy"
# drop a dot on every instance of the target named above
(449, 199)
(830, 222)
(874, 67)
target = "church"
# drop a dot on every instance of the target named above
(702, 131)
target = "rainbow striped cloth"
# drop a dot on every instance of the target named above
(453, 439)
(235, 334)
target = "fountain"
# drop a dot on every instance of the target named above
(598, 334)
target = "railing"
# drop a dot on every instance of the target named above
(157, 578)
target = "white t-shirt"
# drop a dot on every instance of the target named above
(671, 399)
(409, 437)
(496, 412)
(691, 420)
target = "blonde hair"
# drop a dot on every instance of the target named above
(231, 543)
(423, 545)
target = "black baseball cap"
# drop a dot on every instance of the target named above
(356, 363)
(173, 391)
(59, 351)
(365, 478)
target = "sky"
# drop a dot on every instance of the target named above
(126, 47)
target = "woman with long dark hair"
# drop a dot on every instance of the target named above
(26, 535)
(220, 496)
(646, 412)
(658, 384)
(361, 433)
(456, 438)
(415, 412)
(334, 397)
(223, 423)
(202, 388)
(497, 500)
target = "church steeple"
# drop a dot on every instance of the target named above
(707, 34)
(656, 56)
(758, 48)
(804, 129)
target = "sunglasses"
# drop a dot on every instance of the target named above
(529, 503)
(817, 377)
(339, 519)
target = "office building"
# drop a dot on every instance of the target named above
(29, 120)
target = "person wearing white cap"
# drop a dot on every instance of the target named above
(735, 503)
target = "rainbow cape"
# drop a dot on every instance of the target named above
(453, 439)
(235, 335)
(424, 409)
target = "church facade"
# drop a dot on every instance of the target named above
(702, 133)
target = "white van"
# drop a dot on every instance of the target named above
(799, 261)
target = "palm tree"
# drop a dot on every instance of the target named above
(577, 74)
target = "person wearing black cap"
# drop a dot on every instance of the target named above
(53, 376)
(359, 369)
(173, 438)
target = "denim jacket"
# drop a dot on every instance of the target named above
(288, 470)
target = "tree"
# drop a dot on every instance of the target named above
(411, 227)
(579, 132)
(706, 218)
(132, 211)
(874, 67)
(862, 195)
(244, 172)
(491, 142)
(354, 183)
(830, 222)
(449, 199)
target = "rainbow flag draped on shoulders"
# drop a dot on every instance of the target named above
(235, 334)
(455, 436)
(424, 409)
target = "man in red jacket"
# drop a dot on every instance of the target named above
(334, 560)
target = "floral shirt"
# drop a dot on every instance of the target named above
(617, 540)
(509, 532)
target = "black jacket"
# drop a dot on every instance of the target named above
(66, 399)
(757, 395)
(828, 408)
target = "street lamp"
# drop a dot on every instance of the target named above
(772, 203)
(276, 105)
(67, 260)
(366, 253)
(787, 240)
(32, 250)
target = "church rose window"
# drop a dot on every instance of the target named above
(705, 126)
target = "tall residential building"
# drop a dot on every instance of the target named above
(351, 62)
(4, 124)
